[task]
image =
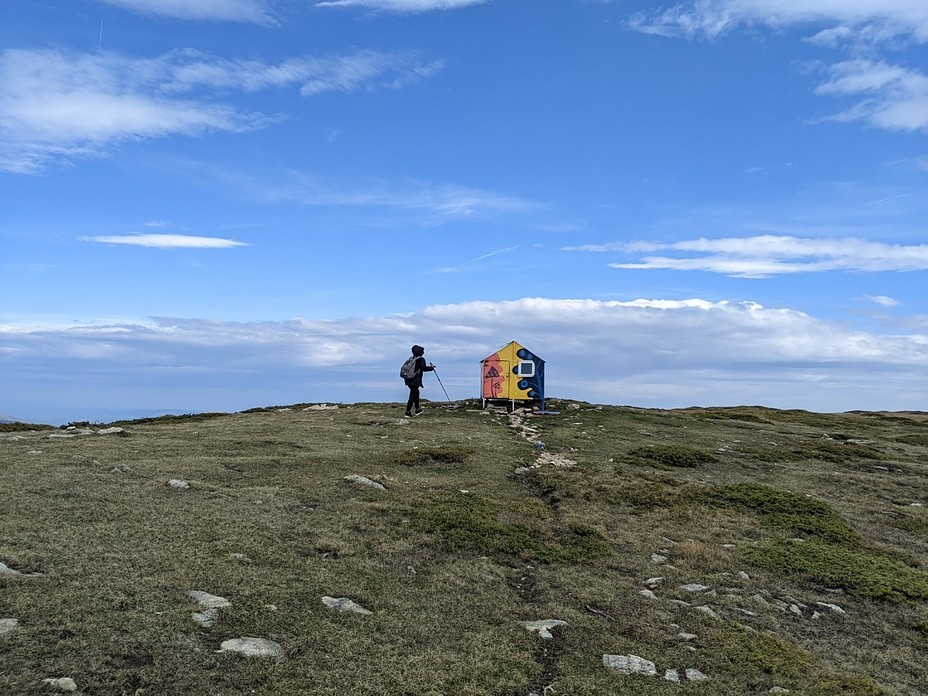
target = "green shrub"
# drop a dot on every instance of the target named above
(432, 455)
(473, 524)
(860, 572)
(672, 455)
(789, 512)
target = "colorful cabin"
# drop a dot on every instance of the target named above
(513, 373)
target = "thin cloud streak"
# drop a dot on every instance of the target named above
(650, 352)
(491, 254)
(165, 241)
(893, 97)
(401, 6)
(766, 255)
(56, 105)
(251, 11)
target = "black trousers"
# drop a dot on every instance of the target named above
(413, 401)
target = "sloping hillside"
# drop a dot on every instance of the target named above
(732, 550)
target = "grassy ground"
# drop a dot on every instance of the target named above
(477, 531)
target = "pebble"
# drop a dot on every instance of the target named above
(252, 647)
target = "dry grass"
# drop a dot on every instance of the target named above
(459, 549)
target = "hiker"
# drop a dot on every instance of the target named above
(411, 372)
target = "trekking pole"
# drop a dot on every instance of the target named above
(435, 372)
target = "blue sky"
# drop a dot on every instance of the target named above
(212, 205)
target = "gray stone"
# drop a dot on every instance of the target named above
(657, 558)
(743, 575)
(686, 636)
(208, 601)
(653, 582)
(345, 604)
(672, 675)
(694, 674)
(6, 570)
(252, 647)
(708, 611)
(648, 594)
(207, 617)
(778, 690)
(630, 664)
(543, 627)
(832, 607)
(693, 587)
(7, 625)
(178, 483)
(61, 683)
(111, 431)
(364, 481)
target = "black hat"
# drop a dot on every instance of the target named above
(418, 350)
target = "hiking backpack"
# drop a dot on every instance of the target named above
(408, 370)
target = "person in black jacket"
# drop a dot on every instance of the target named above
(415, 382)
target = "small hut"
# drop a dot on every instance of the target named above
(512, 373)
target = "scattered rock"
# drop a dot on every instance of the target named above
(672, 675)
(778, 690)
(657, 558)
(322, 407)
(207, 617)
(832, 607)
(178, 483)
(708, 611)
(208, 601)
(653, 583)
(543, 627)
(694, 674)
(6, 570)
(61, 683)
(7, 625)
(648, 594)
(345, 604)
(630, 664)
(112, 431)
(687, 636)
(252, 647)
(364, 481)
(120, 469)
(693, 587)
(743, 575)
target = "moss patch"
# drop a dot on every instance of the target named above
(478, 525)
(424, 456)
(789, 512)
(860, 572)
(672, 455)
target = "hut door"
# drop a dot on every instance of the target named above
(495, 376)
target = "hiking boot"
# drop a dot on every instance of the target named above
(420, 411)
(407, 415)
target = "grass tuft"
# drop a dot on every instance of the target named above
(673, 455)
(788, 512)
(433, 455)
(860, 572)
(474, 524)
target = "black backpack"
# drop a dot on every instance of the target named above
(408, 370)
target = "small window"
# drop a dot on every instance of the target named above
(526, 368)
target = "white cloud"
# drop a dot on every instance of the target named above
(431, 203)
(57, 105)
(893, 97)
(253, 11)
(647, 352)
(402, 6)
(883, 300)
(166, 241)
(712, 18)
(767, 255)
